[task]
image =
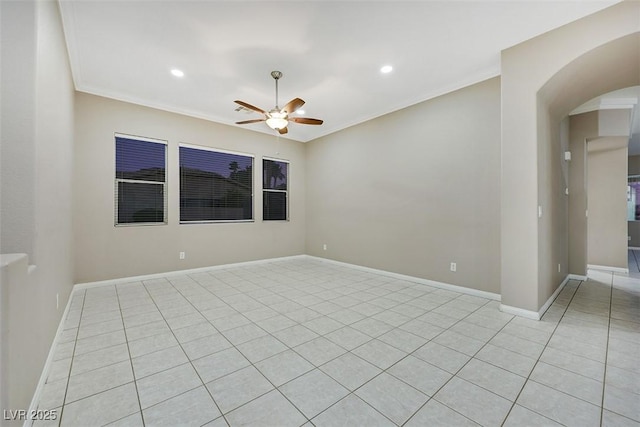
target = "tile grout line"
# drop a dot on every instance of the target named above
(317, 367)
(382, 370)
(528, 378)
(126, 340)
(244, 284)
(64, 399)
(189, 301)
(462, 367)
(182, 348)
(343, 325)
(412, 352)
(398, 361)
(94, 351)
(288, 348)
(241, 292)
(606, 354)
(292, 349)
(319, 336)
(222, 334)
(237, 370)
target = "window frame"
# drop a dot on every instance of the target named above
(223, 151)
(165, 187)
(631, 195)
(271, 190)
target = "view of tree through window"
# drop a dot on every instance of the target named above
(215, 186)
(140, 180)
(275, 176)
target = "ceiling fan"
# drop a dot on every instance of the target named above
(278, 118)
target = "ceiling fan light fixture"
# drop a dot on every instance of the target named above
(277, 120)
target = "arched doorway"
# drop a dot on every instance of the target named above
(543, 80)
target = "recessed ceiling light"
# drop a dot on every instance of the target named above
(177, 73)
(300, 112)
(386, 69)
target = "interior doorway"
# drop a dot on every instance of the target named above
(607, 203)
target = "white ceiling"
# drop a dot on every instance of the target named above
(329, 51)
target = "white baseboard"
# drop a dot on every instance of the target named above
(440, 285)
(634, 248)
(521, 312)
(537, 315)
(47, 365)
(87, 285)
(435, 284)
(577, 277)
(552, 298)
(181, 272)
(607, 268)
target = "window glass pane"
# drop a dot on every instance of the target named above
(215, 186)
(275, 177)
(274, 174)
(140, 202)
(275, 205)
(633, 198)
(141, 160)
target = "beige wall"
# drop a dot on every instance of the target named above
(104, 251)
(586, 127)
(17, 159)
(553, 257)
(634, 165)
(414, 190)
(37, 129)
(615, 122)
(607, 201)
(543, 79)
(583, 127)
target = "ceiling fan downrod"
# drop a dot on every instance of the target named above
(276, 75)
(278, 118)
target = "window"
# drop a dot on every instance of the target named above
(140, 181)
(275, 177)
(633, 198)
(215, 185)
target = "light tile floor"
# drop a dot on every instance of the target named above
(633, 261)
(305, 342)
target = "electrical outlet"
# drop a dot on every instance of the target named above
(324, 247)
(182, 255)
(559, 269)
(453, 267)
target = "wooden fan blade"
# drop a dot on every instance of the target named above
(250, 107)
(283, 131)
(292, 106)
(305, 120)
(246, 122)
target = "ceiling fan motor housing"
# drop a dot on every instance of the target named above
(278, 118)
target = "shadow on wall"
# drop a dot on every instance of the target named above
(614, 65)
